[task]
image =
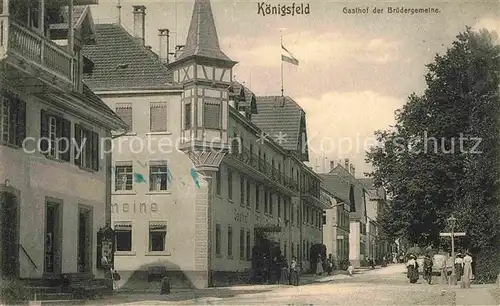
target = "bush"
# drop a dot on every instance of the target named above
(13, 292)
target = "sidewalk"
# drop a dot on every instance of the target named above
(476, 295)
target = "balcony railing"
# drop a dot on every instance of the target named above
(244, 155)
(36, 48)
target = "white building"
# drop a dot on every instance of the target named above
(195, 211)
(53, 195)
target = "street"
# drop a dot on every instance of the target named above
(383, 286)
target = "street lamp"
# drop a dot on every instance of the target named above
(452, 222)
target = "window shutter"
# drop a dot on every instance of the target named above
(95, 151)
(211, 114)
(124, 111)
(12, 120)
(78, 140)
(88, 149)
(66, 134)
(158, 117)
(44, 132)
(21, 122)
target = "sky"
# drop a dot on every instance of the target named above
(354, 70)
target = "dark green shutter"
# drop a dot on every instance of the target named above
(66, 134)
(21, 122)
(44, 132)
(95, 151)
(78, 140)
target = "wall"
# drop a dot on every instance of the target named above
(37, 177)
(176, 205)
(354, 243)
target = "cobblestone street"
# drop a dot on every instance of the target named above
(384, 286)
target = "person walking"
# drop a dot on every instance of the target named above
(329, 264)
(319, 266)
(467, 272)
(459, 266)
(294, 273)
(412, 267)
(428, 269)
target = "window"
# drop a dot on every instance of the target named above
(12, 120)
(157, 236)
(158, 176)
(292, 249)
(187, 116)
(266, 201)
(248, 200)
(123, 235)
(212, 114)
(270, 203)
(257, 197)
(124, 111)
(158, 117)
(285, 209)
(218, 182)
(55, 138)
(89, 142)
(279, 206)
(229, 184)
(249, 243)
(218, 240)
(242, 244)
(229, 242)
(284, 249)
(292, 219)
(324, 218)
(242, 190)
(123, 177)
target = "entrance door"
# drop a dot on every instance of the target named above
(9, 235)
(84, 240)
(52, 266)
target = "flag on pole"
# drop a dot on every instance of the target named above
(288, 57)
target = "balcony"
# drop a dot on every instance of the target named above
(259, 164)
(31, 53)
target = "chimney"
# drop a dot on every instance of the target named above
(164, 37)
(332, 165)
(119, 11)
(139, 22)
(346, 164)
(178, 51)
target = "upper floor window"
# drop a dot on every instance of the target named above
(158, 117)
(123, 177)
(242, 190)
(212, 114)
(187, 116)
(158, 176)
(218, 182)
(248, 195)
(55, 137)
(257, 197)
(88, 142)
(12, 121)
(124, 111)
(229, 184)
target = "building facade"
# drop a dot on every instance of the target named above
(196, 199)
(336, 226)
(342, 180)
(376, 203)
(53, 160)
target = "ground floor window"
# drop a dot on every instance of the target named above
(249, 243)
(123, 235)
(242, 244)
(157, 236)
(217, 240)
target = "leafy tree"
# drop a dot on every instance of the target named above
(430, 162)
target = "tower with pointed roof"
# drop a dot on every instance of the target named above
(206, 75)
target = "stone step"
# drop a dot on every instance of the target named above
(57, 302)
(54, 296)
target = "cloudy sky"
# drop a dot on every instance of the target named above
(355, 69)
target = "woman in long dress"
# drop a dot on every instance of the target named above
(467, 271)
(412, 267)
(319, 266)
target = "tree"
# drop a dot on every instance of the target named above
(443, 154)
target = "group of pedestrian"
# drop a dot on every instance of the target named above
(462, 265)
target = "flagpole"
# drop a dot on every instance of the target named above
(281, 60)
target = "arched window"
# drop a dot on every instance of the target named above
(351, 199)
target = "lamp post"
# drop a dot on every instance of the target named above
(451, 222)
